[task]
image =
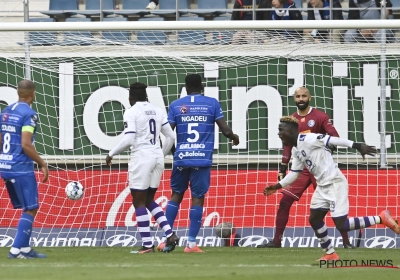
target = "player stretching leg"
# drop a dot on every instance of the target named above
(194, 117)
(18, 127)
(143, 123)
(310, 150)
(310, 120)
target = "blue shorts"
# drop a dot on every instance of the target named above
(23, 192)
(199, 178)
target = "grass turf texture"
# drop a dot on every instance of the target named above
(75, 263)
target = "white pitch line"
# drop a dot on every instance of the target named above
(130, 265)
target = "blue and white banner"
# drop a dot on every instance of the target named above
(246, 237)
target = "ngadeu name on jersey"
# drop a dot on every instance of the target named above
(8, 128)
(191, 146)
(194, 118)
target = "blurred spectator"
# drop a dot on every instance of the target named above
(285, 10)
(152, 5)
(248, 15)
(368, 10)
(319, 10)
(247, 36)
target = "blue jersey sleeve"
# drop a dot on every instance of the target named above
(171, 114)
(29, 122)
(218, 114)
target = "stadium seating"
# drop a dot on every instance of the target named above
(93, 7)
(41, 38)
(222, 37)
(133, 7)
(211, 7)
(64, 8)
(151, 37)
(77, 37)
(116, 37)
(191, 37)
(171, 5)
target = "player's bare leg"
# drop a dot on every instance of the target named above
(316, 220)
(159, 216)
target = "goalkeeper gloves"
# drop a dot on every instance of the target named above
(282, 171)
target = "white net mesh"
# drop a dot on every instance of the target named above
(81, 86)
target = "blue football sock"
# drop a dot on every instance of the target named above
(24, 230)
(195, 216)
(171, 212)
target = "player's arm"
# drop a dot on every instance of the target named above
(329, 129)
(227, 131)
(30, 151)
(169, 134)
(297, 168)
(127, 140)
(283, 166)
(362, 148)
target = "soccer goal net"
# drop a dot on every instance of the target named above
(82, 73)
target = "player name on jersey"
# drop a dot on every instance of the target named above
(8, 128)
(194, 118)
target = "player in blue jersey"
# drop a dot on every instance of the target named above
(17, 153)
(194, 117)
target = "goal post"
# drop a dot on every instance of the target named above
(82, 78)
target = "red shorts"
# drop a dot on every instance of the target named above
(296, 189)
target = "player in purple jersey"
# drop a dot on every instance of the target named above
(194, 117)
(17, 153)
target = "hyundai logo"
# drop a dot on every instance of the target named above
(123, 240)
(380, 242)
(6, 241)
(252, 241)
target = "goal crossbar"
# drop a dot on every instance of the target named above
(200, 25)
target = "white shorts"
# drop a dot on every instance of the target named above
(145, 173)
(333, 198)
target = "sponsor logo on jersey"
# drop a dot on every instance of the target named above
(34, 120)
(183, 109)
(194, 118)
(5, 117)
(302, 137)
(8, 128)
(6, 157)
(311, 123)
(5, 166)
(125, 124)
(321, 136)
(191, 146)
(191, 154)
(380, 242)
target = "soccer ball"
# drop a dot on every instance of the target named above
(224, 230)
(74, 190)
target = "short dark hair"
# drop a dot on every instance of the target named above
(290, 120)
(193, 82)
(137, 91)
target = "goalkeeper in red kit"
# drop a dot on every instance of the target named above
(310, 120)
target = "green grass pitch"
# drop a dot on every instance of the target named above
(97, 263)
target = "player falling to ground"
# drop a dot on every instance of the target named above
(310, 120)
(143, 123)
(18, 126)
(194, 117)
(310, 150)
